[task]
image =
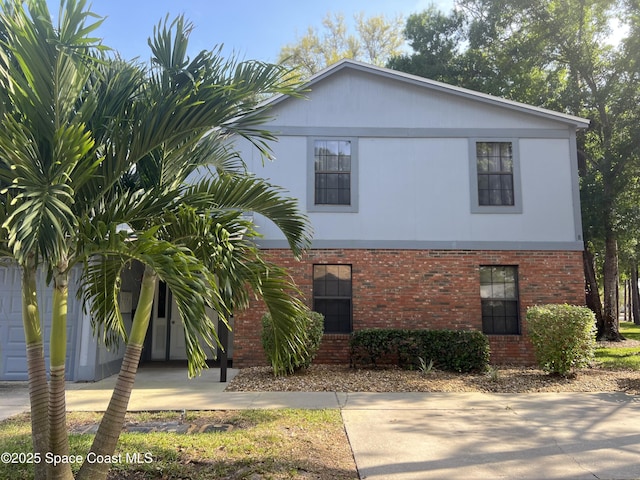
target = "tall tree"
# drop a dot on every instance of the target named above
(377, 39)
(600, 80)
(436, 39)
(555, 54)
(74, 126)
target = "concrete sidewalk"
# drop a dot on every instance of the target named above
(399, 436)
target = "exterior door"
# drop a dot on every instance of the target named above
(177, 344)
(167, 341)
(159, 323)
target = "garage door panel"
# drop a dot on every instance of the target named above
(15, 336)
(12, 349)
(14, 367)
(13, 361)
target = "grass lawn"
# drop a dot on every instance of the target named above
(270, 444)
(622, 357)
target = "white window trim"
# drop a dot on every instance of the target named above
(311, 176)
(473, 178)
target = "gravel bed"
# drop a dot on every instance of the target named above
(502, 379)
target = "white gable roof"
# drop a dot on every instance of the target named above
(439, 87)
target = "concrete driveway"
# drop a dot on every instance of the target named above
(494, 436)
(14, 398)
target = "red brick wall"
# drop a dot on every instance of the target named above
(430, 289)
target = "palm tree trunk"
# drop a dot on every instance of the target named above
(38, 387)
(110, 427)
(58, 436)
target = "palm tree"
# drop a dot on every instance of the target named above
(202, 221)
(47, 153)
(76, 127)
(183, 235)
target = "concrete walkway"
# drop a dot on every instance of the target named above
(494, 436)
(420, 435)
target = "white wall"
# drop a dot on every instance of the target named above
(353, 98)
(414, 165)
(419, 190)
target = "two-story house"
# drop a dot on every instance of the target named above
(433, 207)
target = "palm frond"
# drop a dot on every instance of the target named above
(44, 142)
(251, 194)
(188, 98)
(101, 286)
(226, 244)
(191, 282)
(117, 84)
(275, 287)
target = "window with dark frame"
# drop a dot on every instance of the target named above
(499, 297)
(332, 296)
(332, 164)
(495, 173)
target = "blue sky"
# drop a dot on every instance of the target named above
(253, 29)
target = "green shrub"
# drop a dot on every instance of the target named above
(460, 351)
(312, 327)
(563, 336)
(375, 346)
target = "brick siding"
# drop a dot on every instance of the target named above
(422, 289)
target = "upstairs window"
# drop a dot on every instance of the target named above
(495, 173)
(332, 174)
(499, 297)
(332, 296)
(494, 168)
(332, 165)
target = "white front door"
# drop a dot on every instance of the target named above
(177, 344)
(168, 342)
(167, 332)
(159, 322)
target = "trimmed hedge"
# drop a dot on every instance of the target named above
(563, 336)
(460, 351)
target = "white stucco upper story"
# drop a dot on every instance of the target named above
(412, 177)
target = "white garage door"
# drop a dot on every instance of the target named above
(13, 357)
(12, 349)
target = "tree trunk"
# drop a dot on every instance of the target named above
(610, 330)
(629, 306)
(635, 295)
(617, 302)
(110, 427)
(625, 299)
(38, 387)
(58, 436)
(591, 286)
